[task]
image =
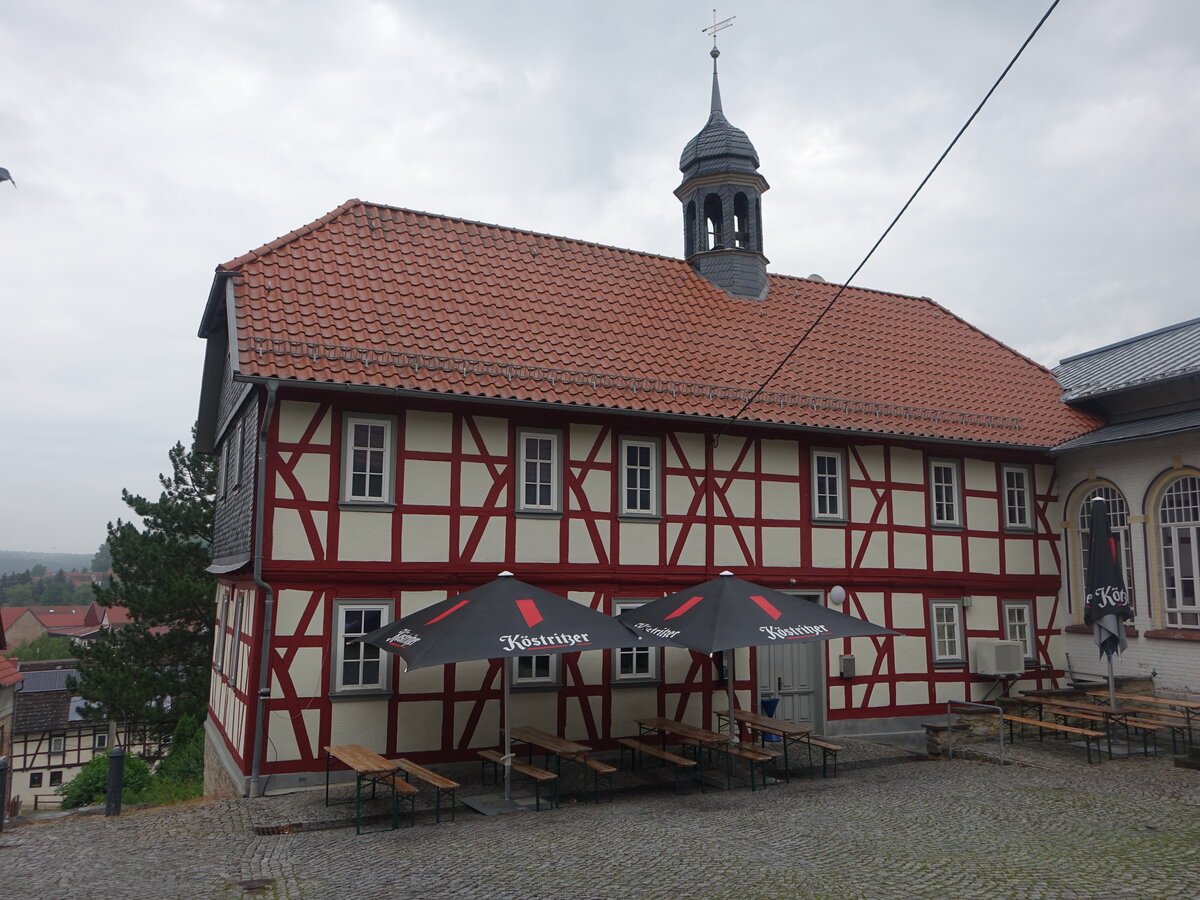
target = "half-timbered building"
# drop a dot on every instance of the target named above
(405, 404)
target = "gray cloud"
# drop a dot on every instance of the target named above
(153, 142)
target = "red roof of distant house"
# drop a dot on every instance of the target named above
(10, 672)
(373, 295)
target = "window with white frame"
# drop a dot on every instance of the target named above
(1019, 626)
(368, 459)
(100, 740)
(58, 743)
(1179, 533)
(1118, 525)
(947, 631)
(536, 670)
(639, 477)
(223, 469)
(359, 667)
(235, 643)
(539, 469)
(1018, 498)
(945, 500)
(829, 485)
(636, 663)
(222, 621)
(239, 438)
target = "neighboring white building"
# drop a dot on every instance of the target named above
(1146, 462)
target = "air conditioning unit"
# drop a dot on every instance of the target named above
(999, 658)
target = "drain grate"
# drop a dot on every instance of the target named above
(326, 825)
(254, 885)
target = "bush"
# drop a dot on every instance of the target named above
(180, 775)
(90, 786)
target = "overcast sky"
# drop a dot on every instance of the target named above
(152, 141)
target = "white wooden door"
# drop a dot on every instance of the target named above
(793, 673)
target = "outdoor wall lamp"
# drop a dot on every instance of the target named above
(837, 596)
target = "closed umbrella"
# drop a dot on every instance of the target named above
(1106, 601)
(727, 612)
(504, 618)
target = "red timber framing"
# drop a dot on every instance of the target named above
(742, 502)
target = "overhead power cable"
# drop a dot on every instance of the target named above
(842, 287)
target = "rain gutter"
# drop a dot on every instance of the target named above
(257, 786)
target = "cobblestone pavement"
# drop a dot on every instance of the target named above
(891, 825)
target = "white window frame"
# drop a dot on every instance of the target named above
(524, 675)
(548, 471)
(223, 470)
(239, 434)
(58, 743)
(99, 740)
(820, 483)
(647, 476)
(644, 654)
(945, 497)
(959, 657)
(1019, 625)
(1025, 505)
(1118, 524)
(222, 621)
(361, 654)
(387, 455)
(235, 654)
(1177, 516)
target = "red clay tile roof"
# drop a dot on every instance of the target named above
(378, 296)
(10, 672)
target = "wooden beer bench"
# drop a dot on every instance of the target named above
(496, 758)
(439, 783)
(371, 768)
(1087, 734)
(635, 746)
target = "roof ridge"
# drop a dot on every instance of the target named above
(526, 231)
(259, 252)
(1166, 329)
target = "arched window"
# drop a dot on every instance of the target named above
(741, 221)
(1118, 521)
(714, 216)
(1179, 532)
(689, 229)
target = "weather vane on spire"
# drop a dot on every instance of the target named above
(717, 26)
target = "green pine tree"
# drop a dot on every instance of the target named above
(155, 670)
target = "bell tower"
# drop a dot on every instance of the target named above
(721, 195)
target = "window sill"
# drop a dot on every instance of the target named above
(538, 513)
(1174, 634)
(639, 517)
(621, 683)
(815, 521)
(1019, 529)
(947, 527)
(1130, 631)
(950, 664)
(366, 505)
(360, 695)
(535, 688)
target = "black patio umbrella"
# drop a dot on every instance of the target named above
(1106, 601)
(728, 612)
(504, 618)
